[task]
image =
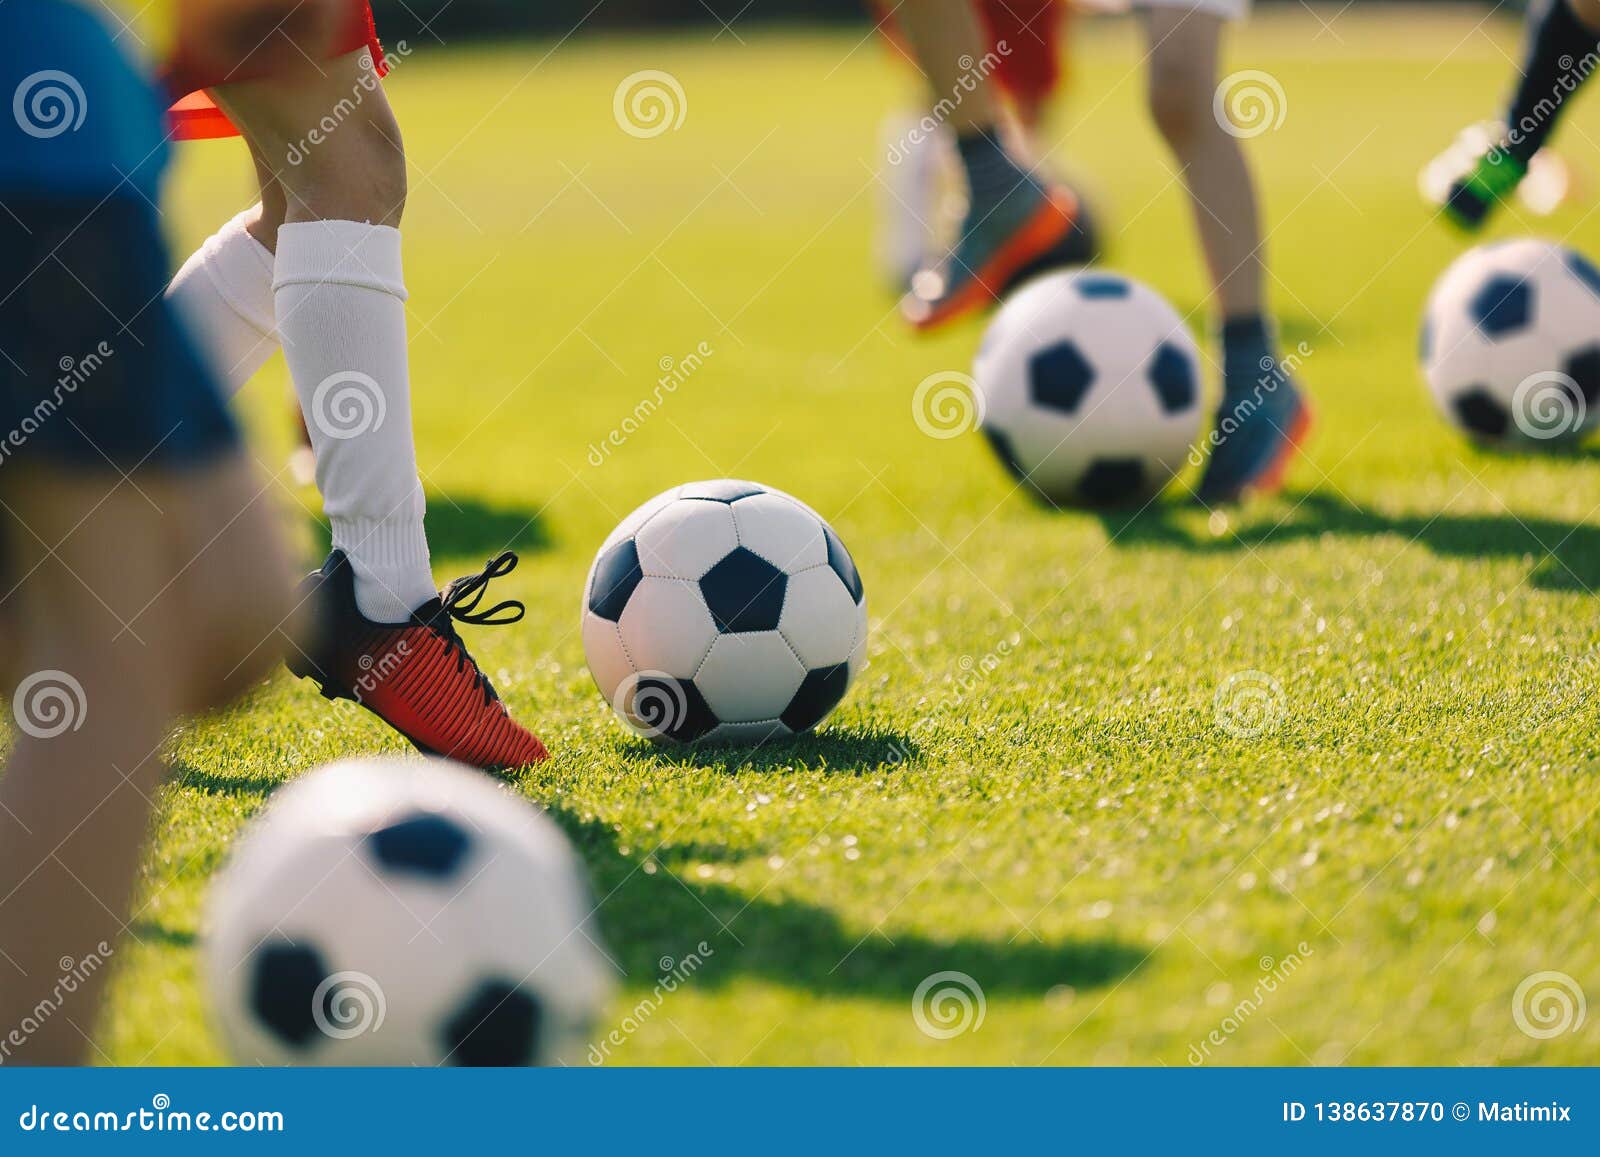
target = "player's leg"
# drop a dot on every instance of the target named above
(142, 599)
(224, 289)
(338, 307)
(1262, 416)
(1013, 220)
(138, 567)
(1559, 55)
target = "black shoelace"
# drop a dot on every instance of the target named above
(459, 604)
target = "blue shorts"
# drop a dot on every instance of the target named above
(95, 368)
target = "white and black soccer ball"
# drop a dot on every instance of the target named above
(724, 611)
(1090, 388)
(403, 911)
(1511, 343)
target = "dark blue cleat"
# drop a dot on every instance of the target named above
(1260, 424)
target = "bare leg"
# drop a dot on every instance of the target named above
(357, 172)
(1184, 49)
(943, 34)
(112, 648)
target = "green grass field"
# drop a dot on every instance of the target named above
(1029, 784)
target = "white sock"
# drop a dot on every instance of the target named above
(224, 292)
(339, 299)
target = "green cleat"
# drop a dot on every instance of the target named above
(1492, 179)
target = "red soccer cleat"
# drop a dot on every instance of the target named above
(417, 676)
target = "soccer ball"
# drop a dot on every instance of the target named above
(1089, 388)
(1511, 343)
(401, 911)
(723, 611)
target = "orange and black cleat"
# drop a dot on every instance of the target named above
(418, 676)
(1032, 229)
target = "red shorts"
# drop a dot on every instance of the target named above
(195, 116)
(1030, 65)
(1030, 69)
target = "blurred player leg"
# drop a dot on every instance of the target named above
(141, 575)
(1562, 35)
(1262, 417)
(1012, 220)
(130, 615)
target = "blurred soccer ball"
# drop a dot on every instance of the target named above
(1090, 388)
(1511, 343)
(723, 611)
(401, 911)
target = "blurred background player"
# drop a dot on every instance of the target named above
(1560, 52)
(139, 560)
(1013, 220)
(315, 268)
(1028, 43)
(1262, 417)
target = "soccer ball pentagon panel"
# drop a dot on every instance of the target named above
(402, 911)
(723, 611)
(1090, 388)
(1511, 343)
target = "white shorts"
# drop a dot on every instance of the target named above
(1223, 9)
